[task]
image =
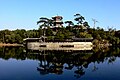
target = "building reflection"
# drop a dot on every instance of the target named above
(55, 62)
(56, 68)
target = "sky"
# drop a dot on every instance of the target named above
(24, 14)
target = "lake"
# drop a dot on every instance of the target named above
(16, 63)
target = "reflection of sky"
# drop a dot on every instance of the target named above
(106, 71)
(27, 70)
(18, 70)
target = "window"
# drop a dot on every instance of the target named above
(66, 45)
(42, 45)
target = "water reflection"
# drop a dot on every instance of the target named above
(57, 62)
(12, 52)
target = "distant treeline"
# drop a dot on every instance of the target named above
(17, 36)
(99, 35)
(80, 30)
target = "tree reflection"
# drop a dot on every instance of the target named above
(12, 52)
(50, 68)
(69, 67)
(111, 59)
(79, 72)
(80, 60)
(55, 62)
(94, 67)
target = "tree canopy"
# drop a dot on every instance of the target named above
(79, 30)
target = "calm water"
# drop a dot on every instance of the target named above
(98, 64)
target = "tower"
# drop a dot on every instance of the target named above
(57, 21)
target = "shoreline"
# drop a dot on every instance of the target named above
(9, 44)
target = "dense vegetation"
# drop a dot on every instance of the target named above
(80, 30)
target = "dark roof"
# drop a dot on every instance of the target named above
(57, 17)
(78, 39)
(74, 39)
(31, 39)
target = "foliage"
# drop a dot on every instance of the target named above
(79, 30)
(84, 35)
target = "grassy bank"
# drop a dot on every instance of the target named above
(8, 44)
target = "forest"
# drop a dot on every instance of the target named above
(79, 30)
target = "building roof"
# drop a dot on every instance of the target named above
(34, 39)
(57, 17)
(82, 39)
(31, 39)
